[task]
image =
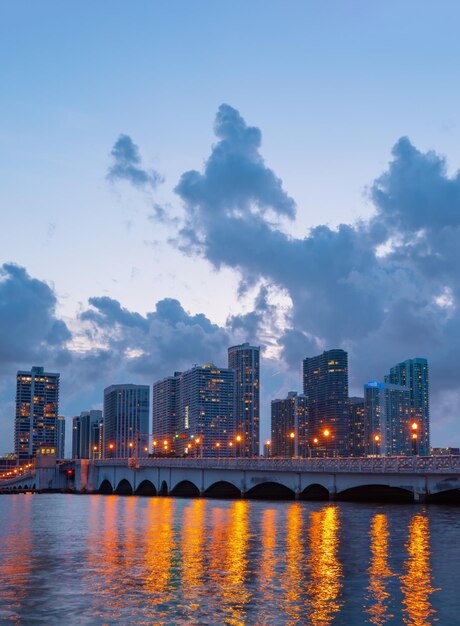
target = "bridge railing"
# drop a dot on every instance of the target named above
(417, 464)
(14, 480)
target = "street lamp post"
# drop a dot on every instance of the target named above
(293, 438)
(326, 433)
(238, 444)
(414, 428)
(376, 444)
(315, 447)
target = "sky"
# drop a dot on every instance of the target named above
(177, 177)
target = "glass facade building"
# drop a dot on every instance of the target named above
(87, 435)
(60, 437)
(356, 438)
(126, 421)
(289, 426)
(245, 361)
(165, 398)
(413, 374)
(387, 430)
(325, 384)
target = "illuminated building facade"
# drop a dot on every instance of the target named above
(37, 408)
(325, 384)
(60, 437)
(413, 374)
(245, 361)
(87, 435)
(356, 413)
(164, 413)
(289, 426)
(387, 424)
(126, 421)
(206, 412)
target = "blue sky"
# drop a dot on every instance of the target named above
(332, 86)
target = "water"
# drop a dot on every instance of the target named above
(69, 559)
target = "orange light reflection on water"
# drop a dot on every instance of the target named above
(325, 567)
(416, 583)
(192, 554)
(291, 580)
(17, 550)
(159, 548)
(269, 560)
(379, 570)
(235, 592)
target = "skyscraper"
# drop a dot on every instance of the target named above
(245, 360)
(387, 421)
(289, 430)
(164, 412)
(413, 374)
(87, 435)
(126, 421)
(37, 408)
(206, 412)
(356, 435)
(325, 383)
(60, 437)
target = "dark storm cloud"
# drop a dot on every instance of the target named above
(386, 289)
(127, 165)
(236, 184)
(122, 345)
(227, 221)
(29, 328)
(154, 346)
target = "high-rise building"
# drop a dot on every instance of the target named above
(164, 412)
(206, 412)
(356, 445)
(245, 360)
(126, 421)
(413, 374)
(60, 437)
(37, 408)
(325, 383)
(387, 421)
(290, 426)
(87, 435)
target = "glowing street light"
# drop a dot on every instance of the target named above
(315, 446)
(414, 428)
(238, 440)
(326, 433)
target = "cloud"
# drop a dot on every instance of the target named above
(127, 165)
(29, 327)
(235, 185)
(158, 343)
(377, 287)
(119, 345)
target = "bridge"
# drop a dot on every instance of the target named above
(406, 479)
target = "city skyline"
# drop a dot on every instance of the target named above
(229, 311)
(202, 404)
(300, 199)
